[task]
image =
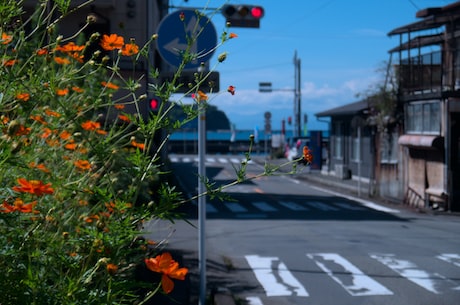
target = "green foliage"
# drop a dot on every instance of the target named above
(80, 175)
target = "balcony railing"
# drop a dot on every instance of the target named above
(424, 73)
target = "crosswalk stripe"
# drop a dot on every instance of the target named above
(254, 301)
(321, 206)
(409, 270)
(235, 207)
(450, 258)
(222, 160)
(277, 281)
(353, 280)
(235, 160)
(293, 206)
(347, 206)
(265, 207)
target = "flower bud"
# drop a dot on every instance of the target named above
(222, 57)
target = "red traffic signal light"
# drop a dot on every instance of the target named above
(245, 16)
(154, 104)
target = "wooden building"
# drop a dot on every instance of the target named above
(427, 65)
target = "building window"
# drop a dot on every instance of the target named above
(423, 118)
(389, 148)
(355, 155)
(338, 140)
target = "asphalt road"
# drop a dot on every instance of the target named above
(278, 240)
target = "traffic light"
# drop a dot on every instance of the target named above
(242, 15)
(154, 104)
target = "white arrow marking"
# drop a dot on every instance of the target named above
(276, 280)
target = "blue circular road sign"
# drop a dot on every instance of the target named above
(177, 28)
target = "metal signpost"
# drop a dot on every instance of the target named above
(174, 34)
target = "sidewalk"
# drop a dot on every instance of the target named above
(320, 178)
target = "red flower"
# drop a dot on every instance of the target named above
(168, 267)
(18, 205)
(33, 187)
(231, 89)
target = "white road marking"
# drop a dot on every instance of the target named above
(235, 207)
(254, 301)
(274, 277)
(450, 258)
(433, 282)
(263, 206)
(353, 280)
(293, 206)
(321, 206)
(348, 206)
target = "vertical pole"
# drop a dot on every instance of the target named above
(202, 200)
(298, 95)
(359, 160)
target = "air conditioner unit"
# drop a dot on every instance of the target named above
(342, 171)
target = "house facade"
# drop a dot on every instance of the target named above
(427, 69)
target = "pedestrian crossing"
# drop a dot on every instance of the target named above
(208, 159)
(275, 207)
(278, 281)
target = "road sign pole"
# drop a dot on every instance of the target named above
(202, 200)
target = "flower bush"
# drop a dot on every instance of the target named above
(79, 174)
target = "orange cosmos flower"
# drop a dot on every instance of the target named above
(9, 62)
(141, 146)
(41, 52)
(70, 146)
(35, 187)
(22, 131)
(6, 39)
(77, 89)
(130, 49)
(201, 96)
(62, 92)
(110, 85)
(65, 135)
(23, 96)
(124, 118)
(82, 165)
(39, 119)
(231, 89)
(307, 156)
(119, 106)
(61, 60)
(70, 48)
(90, 125)
(232, 35)
(169, 269)
(111, 42)
(112, 269)
(52, 113)
(18, 206)
(40, 166)
(46, 133)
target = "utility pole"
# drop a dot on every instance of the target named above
(297, 96)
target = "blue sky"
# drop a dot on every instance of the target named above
(341, 44)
